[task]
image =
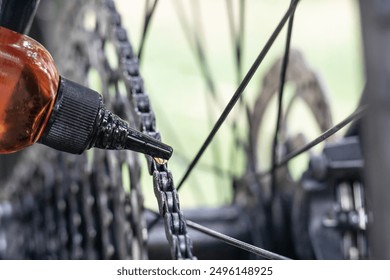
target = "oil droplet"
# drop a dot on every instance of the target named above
(160, 160)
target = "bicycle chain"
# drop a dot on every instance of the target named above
(165, 192)
(110, 30)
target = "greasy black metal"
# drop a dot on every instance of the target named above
(47, 221)
(329, 223)
(375, 17)
(168, 204)
(238, 92)
(18, 15)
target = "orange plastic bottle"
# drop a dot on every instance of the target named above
(29, 83)
(36, 104)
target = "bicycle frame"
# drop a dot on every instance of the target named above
(375, 17)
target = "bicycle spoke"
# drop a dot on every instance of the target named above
(237, 37)
(239, 91)
(282, 82)
(209, 168)
(200, 50)
(197, 46)
(195, 39)
(200, 46)
(351, 118)
(216, 155)
(237, 243)
(179, 146)
(149, 11)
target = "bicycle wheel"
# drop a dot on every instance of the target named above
(246, 193)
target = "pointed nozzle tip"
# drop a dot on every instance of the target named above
(159, 150)
(140, 142)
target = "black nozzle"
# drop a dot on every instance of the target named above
(79, 121)
(114, 133)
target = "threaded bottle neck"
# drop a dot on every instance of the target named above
(73, 118)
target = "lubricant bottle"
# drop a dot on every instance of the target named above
(37, 105)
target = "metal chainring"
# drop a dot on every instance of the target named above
(308, 88)
(75, 207)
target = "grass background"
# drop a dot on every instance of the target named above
(326, 31)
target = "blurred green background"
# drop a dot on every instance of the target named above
(326, 31)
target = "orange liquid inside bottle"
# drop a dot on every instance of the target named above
(28, 88)
(36, 104)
